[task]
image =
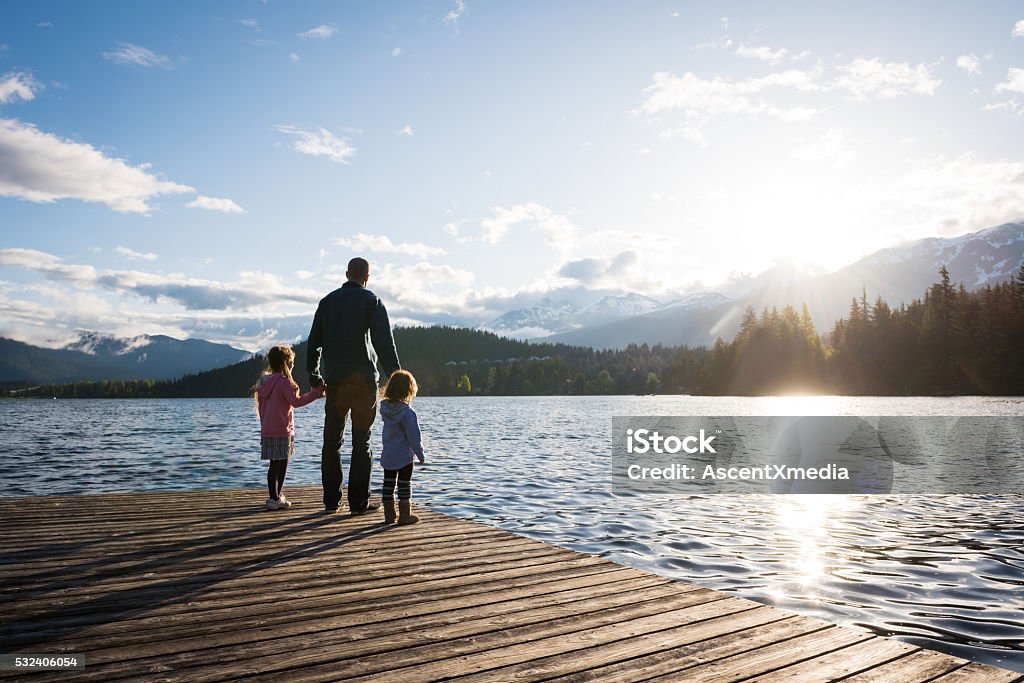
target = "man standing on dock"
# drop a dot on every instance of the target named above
(350, 331)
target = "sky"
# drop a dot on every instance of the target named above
(206, 169)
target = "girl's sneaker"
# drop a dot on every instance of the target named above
(272, 504)
(283, 503)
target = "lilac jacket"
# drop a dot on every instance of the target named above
(401, 435)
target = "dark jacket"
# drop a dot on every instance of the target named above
(350, 330)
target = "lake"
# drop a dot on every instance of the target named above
(945, 572)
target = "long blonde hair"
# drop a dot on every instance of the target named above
(279, 359)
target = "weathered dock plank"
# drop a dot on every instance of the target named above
(206, 586)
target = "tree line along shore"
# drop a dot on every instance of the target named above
(949, 342)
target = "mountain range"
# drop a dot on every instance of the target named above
(898, 274)
(94, 356)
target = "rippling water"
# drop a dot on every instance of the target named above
(945, 572)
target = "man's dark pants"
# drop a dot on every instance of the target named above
(358, 396)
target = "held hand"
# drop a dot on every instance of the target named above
(421, 459)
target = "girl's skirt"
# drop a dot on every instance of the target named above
(277, 447)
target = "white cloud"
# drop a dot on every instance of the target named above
(558, 231)
(46, 264)
(251, 23)
(127, 53)
(720, 43)
(590, 271)
(42, 167)
(972, 63)
(452, 18)
(829, 147)
(44, 24)
(397, 52)
(215, 204)
(716, 96)
(1018, 29)
(1014, 81)
(18, 84)
(423, 291)
(866, 78)
(54, 316)
(406, 130)
(700, 100)
(690, 132)
(1010, 106)
(319, 142)
(293, 56)
(424, 275)
(382, 244)
(763, 53)
(133, 255)
(959, 195)
(321, 32)
(251, 291)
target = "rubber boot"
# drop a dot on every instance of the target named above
(405, 515)
(389, 512)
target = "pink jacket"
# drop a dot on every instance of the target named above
(277, 397)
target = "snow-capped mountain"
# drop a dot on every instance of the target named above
(903, 273)
(975, 259)
(95, 356)
(615, 308)
(536, 321)
(692, 320)
(898, 274)
(98, 344)
(697, 301)
(551, 318)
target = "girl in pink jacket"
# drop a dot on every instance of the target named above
(277, 394)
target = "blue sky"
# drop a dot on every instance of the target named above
(206, 169)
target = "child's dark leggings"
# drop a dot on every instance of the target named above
(275, 477)
(404, 479)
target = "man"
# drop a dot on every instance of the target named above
(350, 331)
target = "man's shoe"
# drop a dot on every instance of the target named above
(330, 511)
(370, 507)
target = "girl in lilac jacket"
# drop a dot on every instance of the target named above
(401, 442)
(276, 395)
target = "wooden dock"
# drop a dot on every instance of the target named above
(206, 586)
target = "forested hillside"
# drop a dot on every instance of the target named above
(950, 341)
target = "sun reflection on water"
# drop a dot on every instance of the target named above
(805, 523)
(805, 405)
